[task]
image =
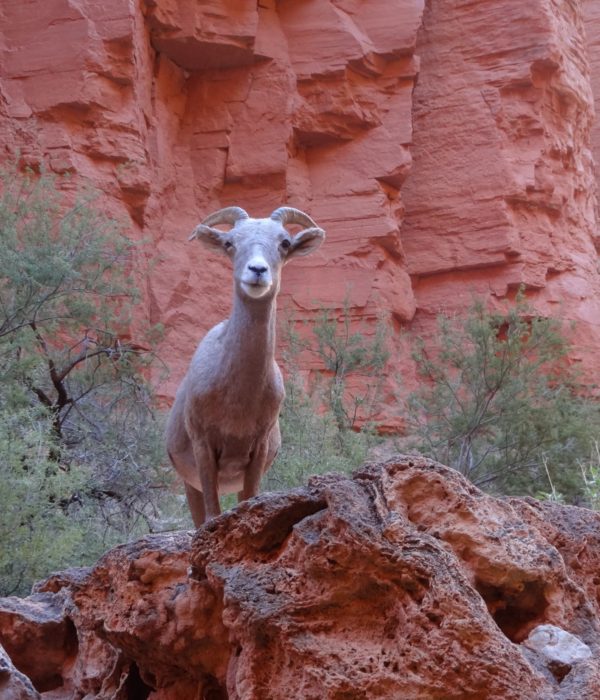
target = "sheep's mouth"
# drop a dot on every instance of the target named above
(256, 283)
(256, 288)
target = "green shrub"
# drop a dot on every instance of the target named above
(312, 441)
(320, 424)
(80, 439)
(36, 531)
(590, 473)
(499, 403)
(346, 354)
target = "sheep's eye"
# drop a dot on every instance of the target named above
(228, 245)
(285, 244)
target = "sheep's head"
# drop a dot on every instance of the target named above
(259, 248)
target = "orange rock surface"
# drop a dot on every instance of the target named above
(403, 582)
(447, 149)
(502, 117)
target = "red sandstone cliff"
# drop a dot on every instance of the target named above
(447, 148)
(403, 582)
(502, 189)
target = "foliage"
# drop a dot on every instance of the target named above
(590, 476)
(590, 472)
(35, 531)
(319, 425)
(80, 439)
(346, 354)
(312, 441)
(498, 402)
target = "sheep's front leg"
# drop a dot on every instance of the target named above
(254, 471)
(195, 501)
(206, 463)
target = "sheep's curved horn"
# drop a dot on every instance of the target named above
(289, 215)
(229, 215)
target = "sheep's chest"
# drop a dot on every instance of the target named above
(236, 411)
(238, 414)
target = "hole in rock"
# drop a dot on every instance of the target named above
(213, 690)
(50, 682)
(59, 651)
(559, 671)
(135, 688)
(516, 612)
(280, 526)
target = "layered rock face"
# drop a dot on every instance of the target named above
(502, 116)
(402, 582)
(445, 147)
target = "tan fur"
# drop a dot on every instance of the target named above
(223, 430)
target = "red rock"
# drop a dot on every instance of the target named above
(405, 581)
(13, 684)
(214, 34)
(38, 637)
(591, 16)
(447, 150)
(502, 117)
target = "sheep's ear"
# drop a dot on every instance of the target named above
(306, 241)
(211, 237)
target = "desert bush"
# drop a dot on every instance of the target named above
(36, 531)
(80, 437)
(320, 423)
(499, 402)
(345, 354)
(590, 474)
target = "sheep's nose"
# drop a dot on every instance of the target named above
(258, 269)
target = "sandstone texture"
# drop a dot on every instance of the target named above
(503, 114)
(13, 684)
(404, 581)
(448, 149)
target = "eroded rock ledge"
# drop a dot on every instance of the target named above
(404, 581)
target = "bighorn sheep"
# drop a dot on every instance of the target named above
(223, 430)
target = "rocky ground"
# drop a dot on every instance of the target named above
(404, 581)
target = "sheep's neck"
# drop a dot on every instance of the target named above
(251, 337)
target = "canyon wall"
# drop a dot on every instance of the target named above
(447, 148)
